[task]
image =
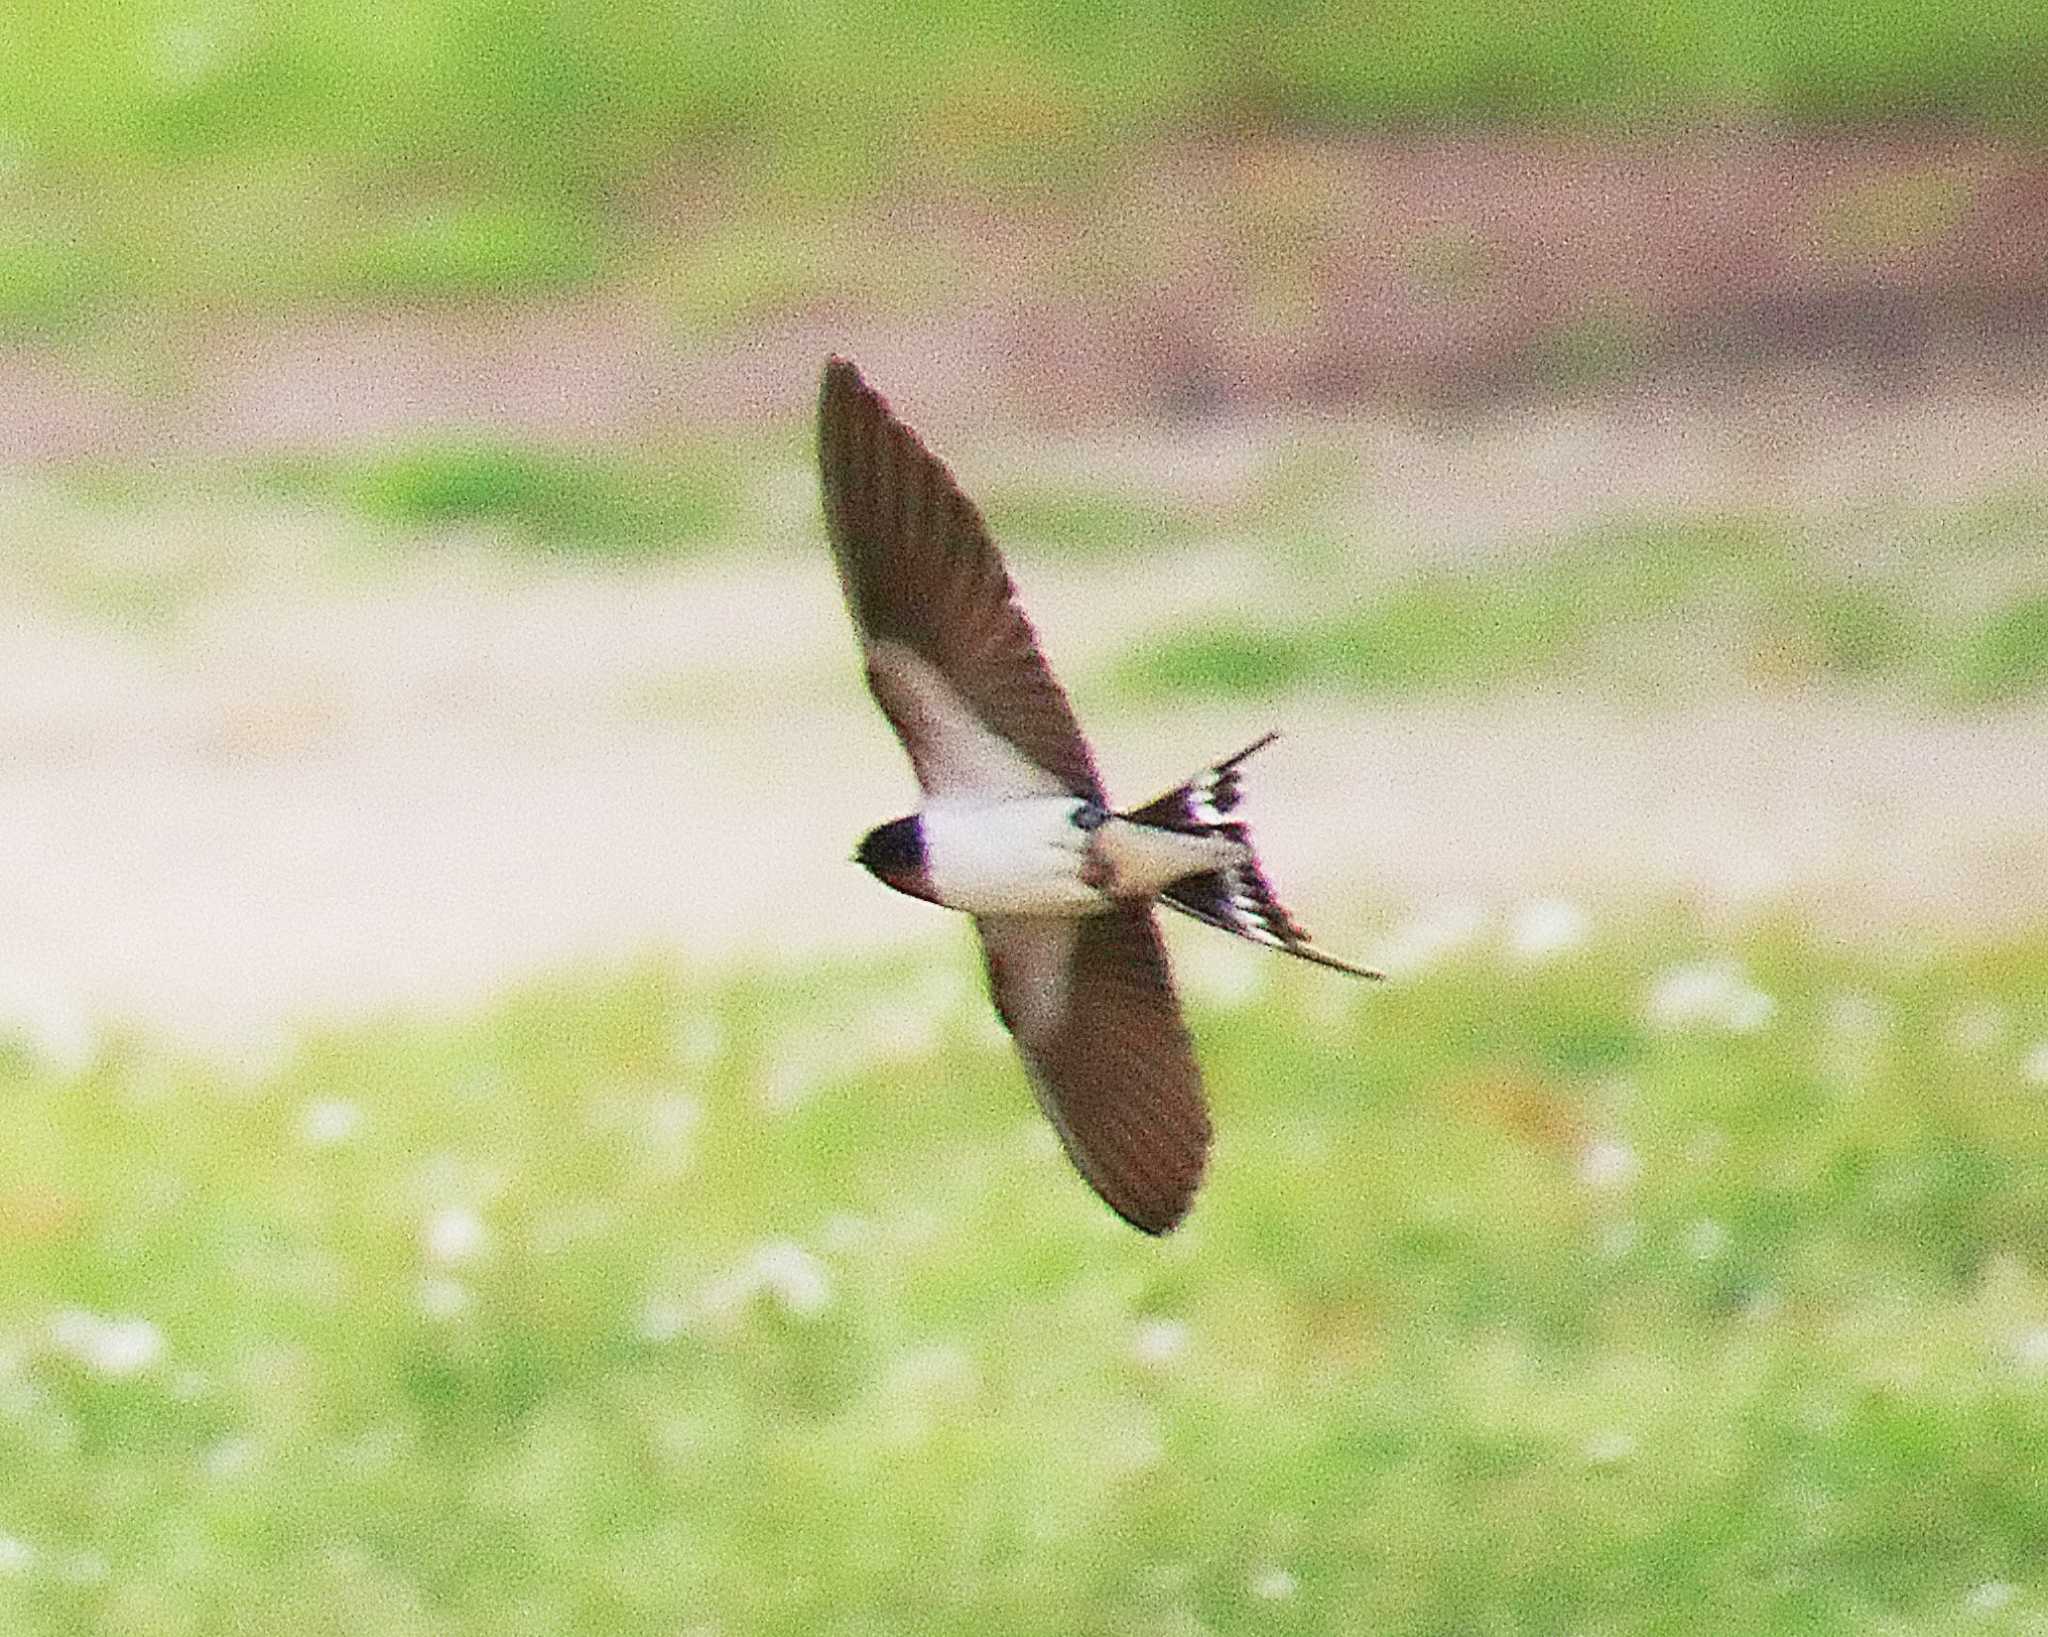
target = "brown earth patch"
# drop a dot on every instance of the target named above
(1194, 280)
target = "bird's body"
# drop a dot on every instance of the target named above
(1015, 828)
(1055, 855)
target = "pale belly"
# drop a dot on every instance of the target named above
(1028, 857)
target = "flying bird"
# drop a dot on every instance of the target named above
(1015, 827)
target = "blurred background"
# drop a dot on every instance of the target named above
(476, 1155)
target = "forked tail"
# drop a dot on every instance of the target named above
(1237, 898)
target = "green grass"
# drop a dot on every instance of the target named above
(1946, 606)
(44, 279)
(558, 500)
(579, 97)
(1662, 606)
(462, 148)
(1082, 520)
(474, 248)
(758, 266)
(2003, 655)
(1521, 1298)
(522, 495)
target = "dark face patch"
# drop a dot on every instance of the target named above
(894, 854)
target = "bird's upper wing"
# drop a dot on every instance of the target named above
(950, 657)
(1091, 1004)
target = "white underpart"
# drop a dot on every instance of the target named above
(1144, 859)
(1026, 857)
(1009, 857)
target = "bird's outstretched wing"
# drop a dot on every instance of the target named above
(1091, 1005)
(951, 659)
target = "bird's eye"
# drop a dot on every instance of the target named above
(1090, 816)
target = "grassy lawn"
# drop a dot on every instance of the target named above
(1950, 607)
(1646, 1281)
(444, 149)
(580, 98)
(1945, 605)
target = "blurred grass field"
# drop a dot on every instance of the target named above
(591, 97)
(441, 149)
(1620, 1279)
(1947, 604)
(407, 516)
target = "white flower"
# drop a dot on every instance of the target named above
(1859, 1017)
(1990, 1596)
(16, 1556)
(1547, 927)
(1709, 994)
(944, 1369)
(1619, 1238)
(454, 1235)
(696, 1040)
(1129, 1446)
(443, 1298)
(844, 1231)
(795, 1279)
(2030, 1351)
(793, 1077)
(1607, 1162)
(924, 1385)
(327, 1121)
(229, 1458)
(1606, 1448)
(661, 1319)
(671, 1121)
(1274, 1584)
(1159, 1341)
(1977, 1029)
(117, 1348)
(1705, 1239)
(84, 1568)
(2034, 1067)
(187, 52)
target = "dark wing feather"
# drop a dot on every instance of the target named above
(1091, 1003)
(1239, 899)
(921, 573)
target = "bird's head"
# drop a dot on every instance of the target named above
(893, 854)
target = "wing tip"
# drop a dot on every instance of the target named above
(1248, 752)
(841, 381)
(1155, 1225)
(1149, 1173)
(1309, 952)
(1155, 1204)
(1160, 1218)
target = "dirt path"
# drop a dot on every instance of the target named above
(1188, 282)
(323, 803)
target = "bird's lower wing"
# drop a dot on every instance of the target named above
(1091, 1004)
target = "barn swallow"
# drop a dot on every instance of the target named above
(1015, 828)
